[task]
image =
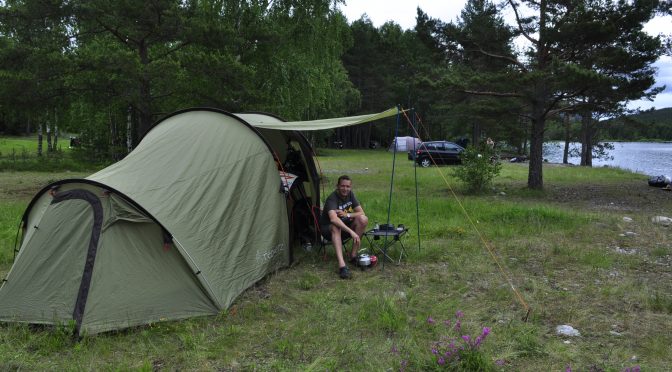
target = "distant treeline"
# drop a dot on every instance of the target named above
(652, 125)
(649, 125)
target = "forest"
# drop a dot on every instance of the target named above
(106, 70)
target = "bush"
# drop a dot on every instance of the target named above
(479, 168)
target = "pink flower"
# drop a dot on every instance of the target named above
(500, 362)
(466, 338)
(486, 331)
(441, 361)
(459, 314)
(430, 320)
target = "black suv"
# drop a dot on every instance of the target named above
(442, 152)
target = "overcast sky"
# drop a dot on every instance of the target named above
(403, 13)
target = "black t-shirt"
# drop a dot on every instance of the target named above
(334, 202)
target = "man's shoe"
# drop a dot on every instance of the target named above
(344, 272)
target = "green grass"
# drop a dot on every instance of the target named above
(10, 216)
(20, 154)
(557, 248)
(28, 145)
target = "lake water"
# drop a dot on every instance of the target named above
(650, 158)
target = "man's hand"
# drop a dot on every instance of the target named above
(355, 238)
(341, 214)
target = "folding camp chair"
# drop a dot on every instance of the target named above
(324, 242)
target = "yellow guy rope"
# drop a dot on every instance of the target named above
(478, 232)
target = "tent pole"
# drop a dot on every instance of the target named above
(415, 170)
(197, 273)
(394, 159)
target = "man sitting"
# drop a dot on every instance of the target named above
(343, 214)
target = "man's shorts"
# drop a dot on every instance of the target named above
(326, 230)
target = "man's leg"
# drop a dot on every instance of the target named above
(359, 224)
(338, 244)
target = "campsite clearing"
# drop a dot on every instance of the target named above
(562, 248)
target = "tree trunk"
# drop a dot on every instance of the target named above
(535, 179)
(586, 140)
(54, 145)
(475, 134)
(114, 136)
(49, 147)
(145, 103)
(565, 153)
(39, 140)
(129, 130)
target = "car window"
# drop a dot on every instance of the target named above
(451, 147)
(430, 146)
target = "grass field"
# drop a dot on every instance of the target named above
(28, 145)
(565, 251)
(21, 154)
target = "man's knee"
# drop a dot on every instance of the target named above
(335, 231)
(361, 220)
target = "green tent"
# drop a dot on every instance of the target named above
(179, 228)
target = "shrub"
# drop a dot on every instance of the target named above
(479, 168)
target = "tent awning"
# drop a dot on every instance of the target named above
(262, 121)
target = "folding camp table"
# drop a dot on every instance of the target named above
(382, 240)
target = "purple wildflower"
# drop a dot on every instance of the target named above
(568, 368)
(478, 341)
(430, 320)
(459, 314)
(447, 322)
(441, 361)
(394, 349)
(404, 364)
(434, 351)
(458, 325)
(466, 338)
(500, 362)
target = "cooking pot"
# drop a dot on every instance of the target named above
(364, 260)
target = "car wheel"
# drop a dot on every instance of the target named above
(425, 162)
